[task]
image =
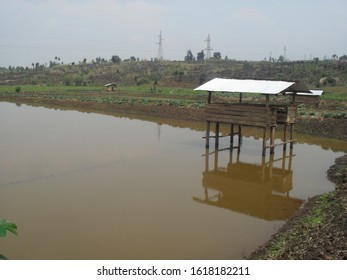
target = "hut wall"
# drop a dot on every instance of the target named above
(307, 100)
(285, 114)
(241, 114)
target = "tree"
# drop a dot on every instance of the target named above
(200, 56)
(343, 57)
(116, 59)
(281, 58)
(316, 60)
(189, 56)
(217, 55)
(178, 73)
(202, 78)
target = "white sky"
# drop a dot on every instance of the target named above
(39, 30)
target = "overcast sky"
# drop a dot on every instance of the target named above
(39, 30)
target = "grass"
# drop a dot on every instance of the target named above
(50, 89)
(147, 95)
(335, 93)
(301, 228)
(140, 95)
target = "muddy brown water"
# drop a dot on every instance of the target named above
(92, 186)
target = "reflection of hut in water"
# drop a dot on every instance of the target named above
(265, 116)
(258, 190)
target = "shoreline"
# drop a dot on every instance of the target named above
(328, 127)
(299, 237)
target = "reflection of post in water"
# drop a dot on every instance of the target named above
(257, 189)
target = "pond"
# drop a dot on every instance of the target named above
(92, 186)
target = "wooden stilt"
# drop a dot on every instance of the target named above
(208, 127)
(264, 142)
(285, 136)
(283, 161)
(239, 142)
(272, 139)
(291, 135)
(231, 136)
(263, 168)
(240, 135)
(217, 135)
(271, 163)
(231, 155)
(207, 159)
(216, 159)
(290, 160)
(238, 154)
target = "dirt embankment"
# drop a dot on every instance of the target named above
(328, 127)
(319, 230)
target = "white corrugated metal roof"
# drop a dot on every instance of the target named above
(313, 92)
(251, 86)
(110, 84)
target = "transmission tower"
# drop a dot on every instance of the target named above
(285, 53)
(208, 48)
(160, 54)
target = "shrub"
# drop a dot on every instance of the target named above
(18, 89)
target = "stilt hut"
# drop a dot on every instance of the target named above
(265, 115)
(311, 99)
(111, 86)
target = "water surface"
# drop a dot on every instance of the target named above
(91, 186)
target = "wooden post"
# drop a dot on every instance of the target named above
(231, 156)
(231, 136)
(208, 127)
(217, 134)
(264, 142)
(272, 139)
(271, 164)
(240, 97)
(291, 135)
(293, 100)
(240, 136)
(209, 97)
(207, 159)
(263, 168)
(285, 136)
(290, 160)
(267, 101)
(216, 159)
(283, 162)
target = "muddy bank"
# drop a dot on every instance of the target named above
(327, 127)
(318, 230)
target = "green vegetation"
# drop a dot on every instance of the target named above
(170, 83)
(335, 93)
(7, 226)
(301, 228)
(181, 74)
